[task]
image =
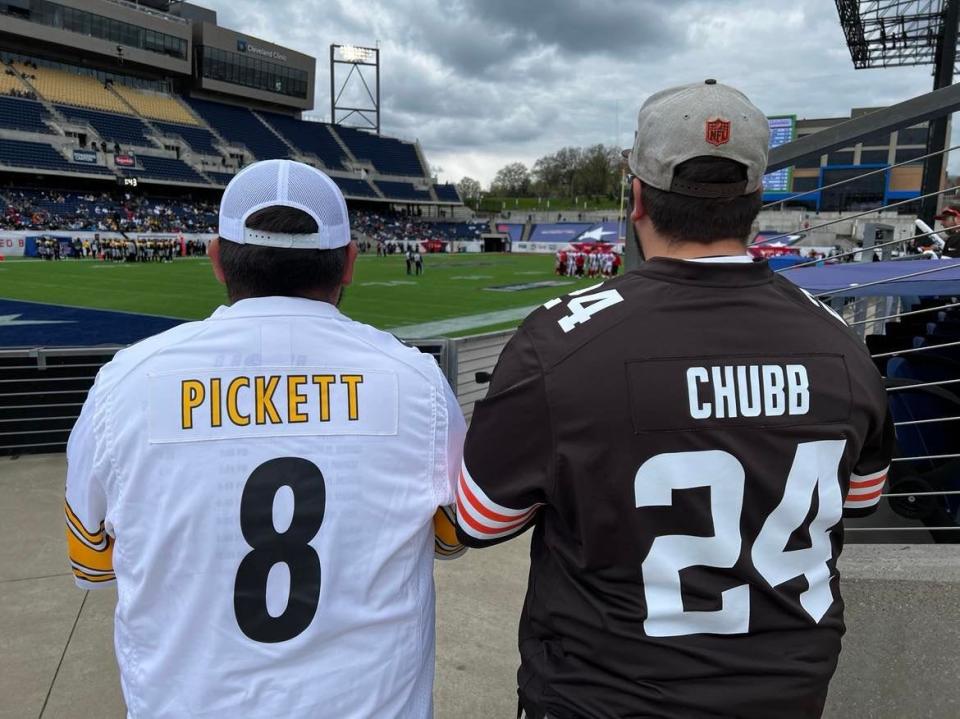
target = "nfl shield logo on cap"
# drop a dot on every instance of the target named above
(718, 131)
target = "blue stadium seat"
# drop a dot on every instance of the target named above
(21, 114)
(354, 188)
(112, 128)
(165, 168)
(200, 139)
(387, 154)
(42, 156)
(238, 124)
(402, 191)
(221, 178)
(313, 138)
(447, 193)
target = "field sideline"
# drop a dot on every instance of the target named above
(453, 287)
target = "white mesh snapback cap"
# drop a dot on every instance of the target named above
(291, 184)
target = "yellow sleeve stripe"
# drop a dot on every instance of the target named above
(445, 544)
(100, 560)
(73, 519)
(96, 578)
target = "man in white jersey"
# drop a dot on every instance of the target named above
(262, 485)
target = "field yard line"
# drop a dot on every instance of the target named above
(458, 324)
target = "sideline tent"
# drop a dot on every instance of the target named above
(941, 277)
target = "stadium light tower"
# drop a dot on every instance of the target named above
(889, 33)
(367, 114)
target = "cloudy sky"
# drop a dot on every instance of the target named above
(485, 82)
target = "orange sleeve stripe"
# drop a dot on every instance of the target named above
(95, 537)
(81, 553)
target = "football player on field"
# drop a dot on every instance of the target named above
(687, 502)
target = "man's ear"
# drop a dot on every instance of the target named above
(213, 250)
(638, 209)
(352, 253)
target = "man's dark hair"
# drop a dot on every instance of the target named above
(257, 271)
(700, 219)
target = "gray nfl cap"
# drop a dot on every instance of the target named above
(290, 184)
(704, 119)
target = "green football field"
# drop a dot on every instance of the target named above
(457, 295)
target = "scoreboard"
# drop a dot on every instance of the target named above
(783, 129)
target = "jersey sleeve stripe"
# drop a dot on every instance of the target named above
(485, 506)
(475, 529)
(73, 520)
(867, 480)
(860, 495)
(94, 578)
(859, 503)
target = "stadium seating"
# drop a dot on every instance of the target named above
(27, 115)
(125, 130)
(155, 105)
(9, 82)
(239, 125)
(447, 193)
(352, 187)
(387, 154)
(402, 191)
(67, 88)
(42, 156)
(313, 138)
(200, 139)
(165, 168)
(221, 178)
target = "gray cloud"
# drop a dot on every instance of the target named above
(485, 82)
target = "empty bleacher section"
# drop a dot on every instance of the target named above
(402, 191)
(313, 138)
(68, 88)
(125, 130)
(164, 168)
(221, 178)
(447, 193)
(155, 105)
(199, 139)
(388, 155)
(239, 125)
(42, 156)
(352, 187)
(24, 115)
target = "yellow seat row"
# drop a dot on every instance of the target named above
(9, 82)
(156, 105)
(68, 88)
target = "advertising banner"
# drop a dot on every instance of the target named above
(88, 157)
(125, 160)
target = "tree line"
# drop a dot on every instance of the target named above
(567, 173)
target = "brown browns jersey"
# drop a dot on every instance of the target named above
(684, 441)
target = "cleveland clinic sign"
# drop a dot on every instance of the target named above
(247, 47)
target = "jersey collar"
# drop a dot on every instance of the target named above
(269, 306)
(733, 272)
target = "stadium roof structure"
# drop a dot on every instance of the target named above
(891, 33)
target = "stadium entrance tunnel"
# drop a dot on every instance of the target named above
(494, 243)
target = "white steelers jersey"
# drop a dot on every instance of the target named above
(261, 486)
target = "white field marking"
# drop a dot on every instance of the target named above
(531, 272)
(390, 283)
(472, 277)
(458, 324)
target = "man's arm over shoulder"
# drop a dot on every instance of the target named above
(89, 545)
(507, 468)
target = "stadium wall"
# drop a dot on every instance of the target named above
(15, 244)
